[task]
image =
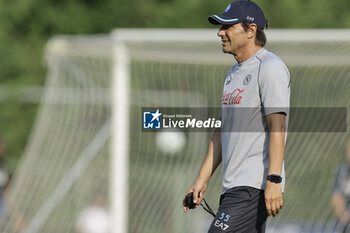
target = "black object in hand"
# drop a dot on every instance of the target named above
(188, 202)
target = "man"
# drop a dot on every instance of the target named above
(341, 192)
(252, 160)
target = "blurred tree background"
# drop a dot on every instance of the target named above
(26, 26)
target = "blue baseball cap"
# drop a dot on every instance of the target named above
(240, 11)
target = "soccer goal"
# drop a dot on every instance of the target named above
(87, 143)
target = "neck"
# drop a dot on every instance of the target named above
(246, 53)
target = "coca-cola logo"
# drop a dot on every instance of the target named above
(233, 97)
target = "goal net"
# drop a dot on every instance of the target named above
(87, 147)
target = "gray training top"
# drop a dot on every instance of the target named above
(252, 90)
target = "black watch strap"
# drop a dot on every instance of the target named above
(274, 178)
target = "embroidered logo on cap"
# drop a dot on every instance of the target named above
(228, 8)
(250, 18)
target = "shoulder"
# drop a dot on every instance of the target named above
(230, 72)
(272, 67)
(232, 68)
(270, 60)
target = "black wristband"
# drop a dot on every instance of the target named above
(274, 178)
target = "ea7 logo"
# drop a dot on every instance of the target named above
(221, 225)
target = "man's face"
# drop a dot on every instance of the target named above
(233, 38)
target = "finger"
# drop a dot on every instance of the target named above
(200, 199)
(278, 204)
(273, 209)
(199, 202)
(195, 196)
(278, 207)
(185, 209)
(268, 208)
(281, 203)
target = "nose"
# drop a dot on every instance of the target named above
(221, 32)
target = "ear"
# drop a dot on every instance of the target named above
(252, 30)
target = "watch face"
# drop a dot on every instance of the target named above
(274, 178)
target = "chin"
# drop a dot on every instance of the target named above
(226, 50)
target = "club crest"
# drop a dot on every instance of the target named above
(247, 80)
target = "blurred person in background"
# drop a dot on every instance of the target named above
(341, 191)
(4, 174)
(8, 216)
(94, 218)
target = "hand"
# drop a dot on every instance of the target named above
(198, 189)
(273, 198)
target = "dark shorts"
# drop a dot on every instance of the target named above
(242, 210)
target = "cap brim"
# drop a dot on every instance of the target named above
(222, 19)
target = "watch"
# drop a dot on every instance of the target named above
(274, 178)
